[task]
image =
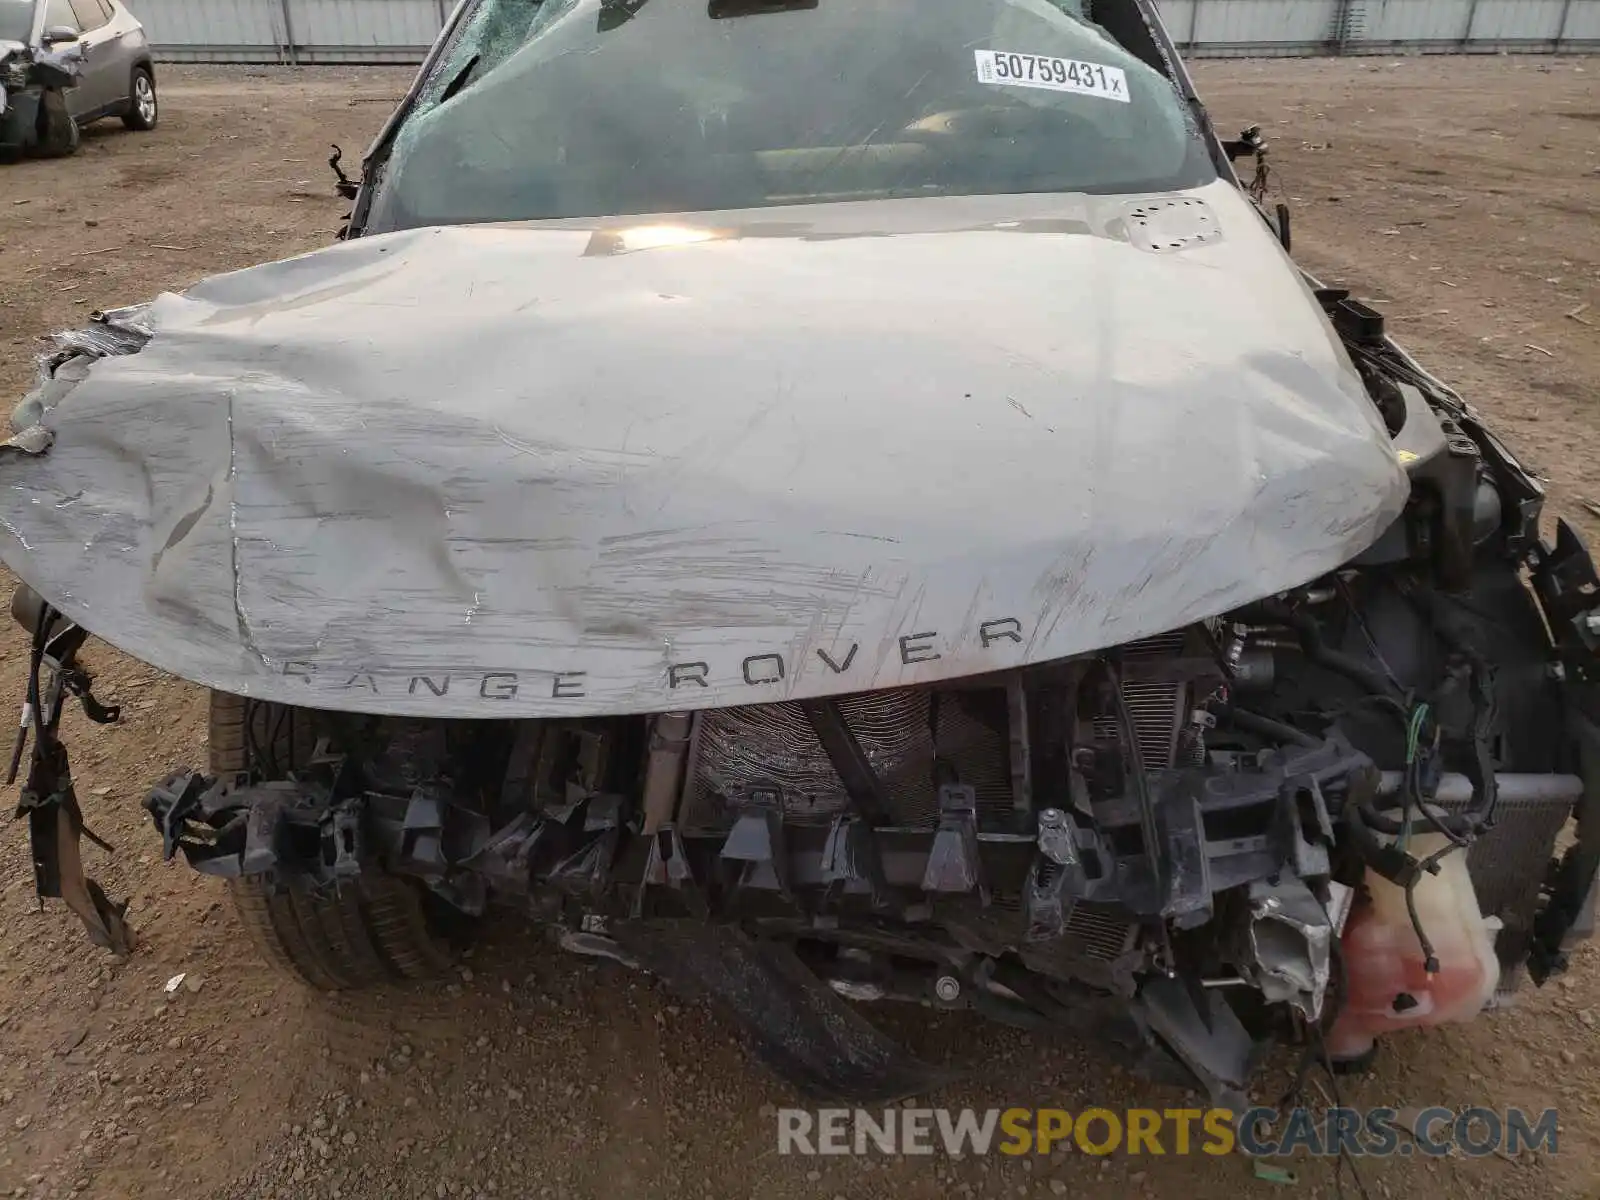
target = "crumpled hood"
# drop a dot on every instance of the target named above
(48, 66)
(576, 468)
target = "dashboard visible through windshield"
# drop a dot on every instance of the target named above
(542, 109)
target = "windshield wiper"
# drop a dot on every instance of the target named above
(460, 80)
(616, 13)
(724, 10)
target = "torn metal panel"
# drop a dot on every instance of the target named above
(1291, 936)
(66, 364)
(587, 467)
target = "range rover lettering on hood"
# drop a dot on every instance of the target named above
(834, 448)
(754, 670)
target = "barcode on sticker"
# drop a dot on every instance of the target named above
(1054, 74)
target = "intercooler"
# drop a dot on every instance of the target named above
(1508, 865)
(1155, 709)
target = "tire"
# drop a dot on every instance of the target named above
(287, 738)
(57, 135)
(143, 109)
(372, 931)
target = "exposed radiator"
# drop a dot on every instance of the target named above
(902, 733)
(1508, 865)
(899, 731)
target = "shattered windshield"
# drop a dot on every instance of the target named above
(16, 21)
(573, 108)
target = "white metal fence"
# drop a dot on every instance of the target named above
(400, 31)
(293, 31)
(1221, 28)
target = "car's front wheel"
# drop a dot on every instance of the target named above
(143, 110)
(57, 133)
(379, 928)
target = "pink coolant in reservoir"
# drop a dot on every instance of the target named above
(1387, 984)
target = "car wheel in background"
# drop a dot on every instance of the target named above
(143, 111)
(57, 132)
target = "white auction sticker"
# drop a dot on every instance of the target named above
(1056, 74)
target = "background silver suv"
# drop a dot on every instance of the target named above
(85, 59)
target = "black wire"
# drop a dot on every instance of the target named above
(1267, 727)
(1430, 964)
(1388, 703)
(1332, 1007)
(41, 638)
(35, 660)
(254, 756)
(41, 746)
(1478, 814)
(1343, 589)
(1430, 813)
(1410, 792)
(1428, 866)
(274, 733)
(1460, 828)
(1346, 1159)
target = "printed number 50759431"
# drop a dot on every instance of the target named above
(1009, 69)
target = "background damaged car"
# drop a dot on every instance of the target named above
(66, 63)
(828, 501)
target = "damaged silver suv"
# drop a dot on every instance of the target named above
(66, 63)
(828, 502)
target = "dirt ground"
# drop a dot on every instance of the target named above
(1461, 196)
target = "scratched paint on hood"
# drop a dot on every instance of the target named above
(585, 467)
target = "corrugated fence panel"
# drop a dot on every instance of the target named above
(1265, 24)
(215, 30)
(1408, 21)
(1421, 24)
(369, 30)
(401, 30)
(1234, 27)
(1517, 20)
(1583, 24)
(1179, 18)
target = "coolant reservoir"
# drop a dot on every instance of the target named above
(1387, 986)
